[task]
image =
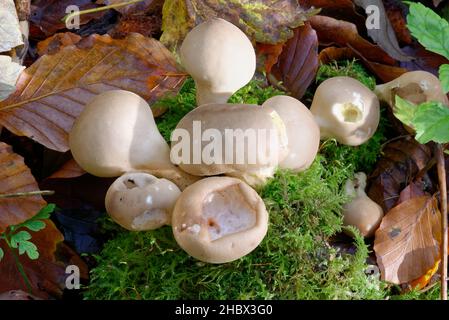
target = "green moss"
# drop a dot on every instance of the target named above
(348, 68)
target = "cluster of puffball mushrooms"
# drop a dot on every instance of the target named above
(215, 214)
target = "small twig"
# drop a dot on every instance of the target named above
(443, 208)
(111, 6)
(27, 194)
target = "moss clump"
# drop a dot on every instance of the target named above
(294, 261)
(348, 68)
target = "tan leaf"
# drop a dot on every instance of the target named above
(10, 35)
(9, 72)
(53, 91)
(70, 169)
(406, 243)
(16, 177)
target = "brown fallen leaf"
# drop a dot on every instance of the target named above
(145, 25)
(47, 14)
(16, 177)
(69, 170)
(344, 34)
(178, 17)
(401, 161)
(406, 243)
(53, 44)
(396, 12)
(298, 63)
(267, 56)
(47, 274)
(383, 34)
(53, 91)
(17, 295)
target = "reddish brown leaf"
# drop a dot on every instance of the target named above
(344, 34)
(47, 274)
(47, 14)
(330, 54)
(298, 63)
(69, 170)
(16, 177)
(396, 12)
(401, 160)
(406, 243)
(54, 43)
(53, 91)
(17, 295)
(145, 25)
(413, 190)
(268, 55)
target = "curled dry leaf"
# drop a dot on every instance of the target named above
(16, 177)
(47, 14)
(53, 44)
(70, 169)
(383, 34)
(10, 34)
(406, 243)
(345, 34)
(401, 161)
(53, 91)
(179, 16)
(298, 63)
(47, 274)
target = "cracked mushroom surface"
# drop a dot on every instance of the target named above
(219, 219)
(220, 58)
(346, 110)
(139, 201)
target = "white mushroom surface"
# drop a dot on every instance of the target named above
(220, 58)
(139, 201)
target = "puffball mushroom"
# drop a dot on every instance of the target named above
(116, 133)
(362, 212)
(240, 140)
(220, 58)
(219, 219)
(139, 201)
(346, 110)
(302, 131)
(414, 86)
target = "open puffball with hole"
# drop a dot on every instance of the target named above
(240, 140)
(220, 58)
(414, 86)
(361, 212)
(116, 133)
(139, 201)
(346, 110)
(302, 131)
(219, 219)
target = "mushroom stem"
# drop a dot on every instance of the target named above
(205, 94)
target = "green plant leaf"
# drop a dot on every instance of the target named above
(431, 122)
(20, 241)
(429, 28)
(2, 254)
(19, 237)
(34, 225)
(444, 77)
(45, 212)
(404, 111)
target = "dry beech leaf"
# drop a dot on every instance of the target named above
(384, 36)
(401, 161)
(10, 34)
(70, 169)
(47, 274)
(406, 243)
(298, 63)
(53, 91)
(53, 44)
(47, 14)
(16, 177)
(345, 34)
(179, 16)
